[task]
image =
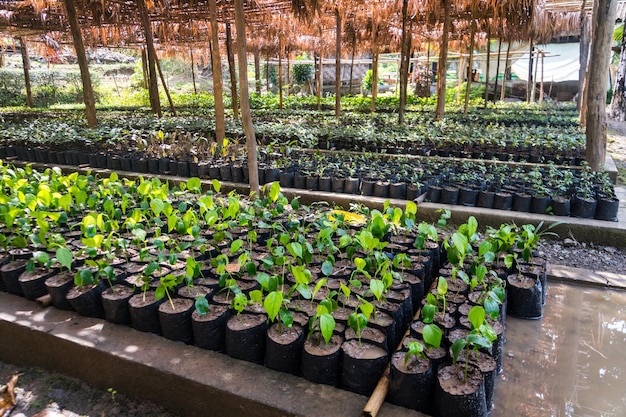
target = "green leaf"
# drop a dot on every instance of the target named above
(442, 286)
(411, 208)
(216, 185)
(235, 246)
(428, 313)
(360, 263)
(272, 304)
(476, 316)
(327, 326)
(64, 257)
(286, 317)
(456, 348)
(295, 249)
(202, 305)
(157, 206)
(194, 185)
(367, 308)
(274, 191)
(432, 335)
(377, 287)
(327, 268)
(159, 292)
(295, 204)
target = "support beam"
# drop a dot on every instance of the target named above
(404, 60)
(495, 85)
(506, 68)
(257, 70)
(218, 90)
(338, 63)
(583, 57)
(443, 63)
(193, 71)
(374, 57)
(153, 86)
(246, 116)
(26, 65)
(602, 31)
(530, 84)
(280, 72)
(164, 84)
(488, 65)
(88, 96)
(231, 70)
(470, 78)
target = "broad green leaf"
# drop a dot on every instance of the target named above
(442, 286)
(194, 185)
(217, 186)
(457, 347)
(235, 246)
(64, 257)
(476, 316)
(377, 287)
(202, 305)
(432, 335)
(272, 304)
(327, 326)
(157, 205)
(360, 263)
(327, 268)
(295, 249)
(411, 208)
(274, 191)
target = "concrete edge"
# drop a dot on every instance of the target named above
(583, 230)
(185, 379)
(582, 276)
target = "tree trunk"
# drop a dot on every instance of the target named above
(193, 71)
(88, 95)
(246, 116)
(495, 85)
(443, 63)
(583, 57)
(165, 88)
(216, 64)
(231, 69)
(338, 65)
(257, 70)
(506, 68)
(470, 78)
(153, 86)
(26, 65)
(617, 111)
(404, 60)
(602, 30)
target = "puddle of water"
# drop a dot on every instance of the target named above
(571, 363)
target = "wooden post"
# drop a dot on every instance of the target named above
(542, 54)
(534, 84)
(374, 58)
(338, 64)
(495, 85)
(462, 72)
(246, 116)
(320, 80)
(231, 70)
(468, 84)
(26, 65)
(488, 65)
(506, 68)
(218, 91)
(280, 72)
(352, 56)
(193, 71)
(602, 32)
(267, 73)
(88, 95)
(583, 55)
(153, 87)
(404, 60)
(287, 54)
(443, 63)
(144, 68)
(165, 88)
(257, 70)
(530, 72)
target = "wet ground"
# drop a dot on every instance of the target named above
(571, 362)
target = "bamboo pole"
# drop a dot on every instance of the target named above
(26, 65)
(338, 63)
(193, 71)
(470, 79)
(246, 116)
(216, 65)
(443, 63)
(153, 87)
(88, 95)
(404, 60)
(257, 70)
(165, 88)
(280, 72)
(374, 58)
(495, 85)
(541, 83)
(488, 65)
(231, 70)
(506, 67)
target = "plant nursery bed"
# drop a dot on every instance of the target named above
(323, 294)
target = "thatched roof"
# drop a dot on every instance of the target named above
(299, 24)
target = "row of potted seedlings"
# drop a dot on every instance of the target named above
(546, 190)
(326, 295)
